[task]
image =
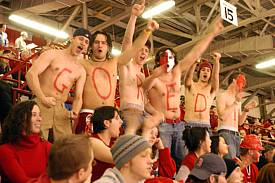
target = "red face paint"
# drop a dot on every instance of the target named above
(104, 97)
(164, 60)
(170, 95)
(241, 82)
(139, 88)
(200, 97)
(64, 87)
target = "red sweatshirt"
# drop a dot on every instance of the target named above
(250, 173)
(25, 160)
(166, 165)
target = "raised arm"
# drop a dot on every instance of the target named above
(215, 74)
(39, 66)
(137, 10)
(201, 46)
(77, 102)
(188, 79)
(130, 52)
(242, 117)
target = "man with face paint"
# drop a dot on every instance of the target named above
(230, 112)
(199, 95)
(99, 89)
(164, 91)
(250, 154)
(52, 76)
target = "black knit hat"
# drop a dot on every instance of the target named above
(82, 32)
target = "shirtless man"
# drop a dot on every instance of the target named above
(199, 95)
(131, 77)
(51, 77)
(230, 112)
(99, 89)
(164, 91)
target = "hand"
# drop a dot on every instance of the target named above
(159, 70)
(236, 176)
(216, 56)
(252, 104)
(138, 9)
(48, 101)
(239, 96)
(152, 25)
(216, 27)
(73, 115)
(159, 144)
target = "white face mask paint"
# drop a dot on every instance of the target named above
(171, 60)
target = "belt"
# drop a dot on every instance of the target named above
(173, 121)
(229, 131)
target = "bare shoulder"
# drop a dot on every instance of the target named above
(96, 142)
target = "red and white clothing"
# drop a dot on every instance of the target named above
(250, 173)
(187, 165)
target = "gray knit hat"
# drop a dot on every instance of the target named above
(126, 147)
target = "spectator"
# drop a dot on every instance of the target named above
(24, 154)
(3, 36)
(106, 125)
(132, 157)
(70, 160)
(20, 44)
(5, 101)
(266, 174)
(267, 156)
(234, 173)
(249, 148)
(5, 63)
(209, 168)
(198, 142)
(219, 146)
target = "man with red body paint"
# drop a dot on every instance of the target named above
(230, 112)
(51, 77)
(199, 95)
(99, 89)
(164, 91)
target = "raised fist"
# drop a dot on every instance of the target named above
(152, 25)
(138, 9)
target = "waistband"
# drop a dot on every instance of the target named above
(227, 127)
(126, 106)
(228, 131)
(86, 111)
(172, 121)
(197, 124)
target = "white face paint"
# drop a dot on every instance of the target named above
(171, 60)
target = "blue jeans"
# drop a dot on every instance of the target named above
(171, 136)
(233, 140)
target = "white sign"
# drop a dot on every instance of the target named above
(229, 12)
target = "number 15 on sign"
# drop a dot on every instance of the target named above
(229, 12)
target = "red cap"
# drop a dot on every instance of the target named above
(251, 142)
(205, 63)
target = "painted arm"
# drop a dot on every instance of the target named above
(201, 46)
(188, 79)
(215, 73)
(130, 52)
(101, 151)
(137, 10)
(77, 102)
(39, 66)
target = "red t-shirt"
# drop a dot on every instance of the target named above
(100, 166)
(250, 173)
(189, 160)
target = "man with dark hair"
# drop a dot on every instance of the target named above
(209, 168)
(267, 156)
(131, 77)
(3, 36)
(106, 127)
(164, 91)
(100, 86)
(199, 95)
(70, 160)
(230, 112)
(52, 76)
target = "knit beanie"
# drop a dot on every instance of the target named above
(127, 147)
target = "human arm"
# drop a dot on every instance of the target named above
(150, 81)
(215, 73)
(183, 173)
(167, 166)
(130, 52)
(101, 151)
(188, 79)
(137, 9)
(39, 66)
(77, 102)
(201, 46)
(242, 117)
